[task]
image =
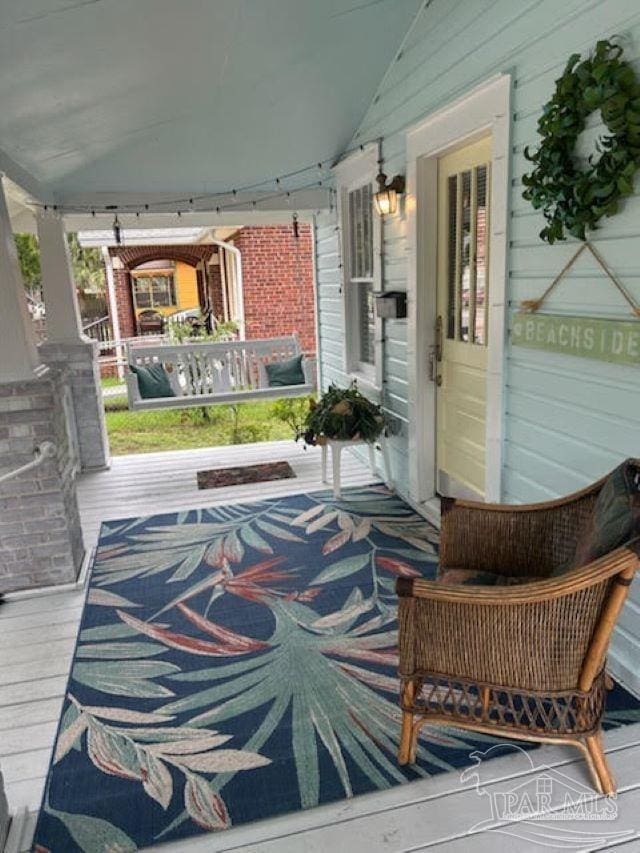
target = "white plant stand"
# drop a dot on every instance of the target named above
(336, 455)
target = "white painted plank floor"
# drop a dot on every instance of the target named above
(37, 637)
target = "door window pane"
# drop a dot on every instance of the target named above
(479, 334)
(465, 258)
(467, 255)
(452, 187)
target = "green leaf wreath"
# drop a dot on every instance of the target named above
(574, 198)
(343, 414)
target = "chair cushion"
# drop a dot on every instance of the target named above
(476, 577)
(289, 372)
(615, 518)
(153, 381)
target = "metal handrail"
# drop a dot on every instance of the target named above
(46, 450)
(96, 322)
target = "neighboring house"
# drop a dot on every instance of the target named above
(259, 276)
(158, 281)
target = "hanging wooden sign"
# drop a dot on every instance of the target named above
(616, 341)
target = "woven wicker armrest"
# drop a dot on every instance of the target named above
(519, 540)
(533, 635)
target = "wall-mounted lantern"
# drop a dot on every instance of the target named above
(386, 198)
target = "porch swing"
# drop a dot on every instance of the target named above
(186, 375)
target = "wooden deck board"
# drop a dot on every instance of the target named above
(37, 635)
(427, 814)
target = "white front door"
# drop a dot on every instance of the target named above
(461, 325)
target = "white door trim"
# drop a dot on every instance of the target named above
(484, 109)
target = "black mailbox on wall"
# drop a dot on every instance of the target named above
(391, 305)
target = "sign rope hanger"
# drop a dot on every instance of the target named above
(533, 305)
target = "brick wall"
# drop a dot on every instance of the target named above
(124, 302)
(277, 279)
(215, 290)
(40, 532)
(277, 274)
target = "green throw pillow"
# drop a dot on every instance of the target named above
(153, 381)
(289, 372)
(615, 519)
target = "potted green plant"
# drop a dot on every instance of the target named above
(342, 414)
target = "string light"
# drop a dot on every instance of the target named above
(321, 165)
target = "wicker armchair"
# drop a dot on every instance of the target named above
(524, 660)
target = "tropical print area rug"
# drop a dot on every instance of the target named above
(237, 663)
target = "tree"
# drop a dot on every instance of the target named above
(86, 264)
(29, 256)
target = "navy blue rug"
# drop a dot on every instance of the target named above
(238, 663)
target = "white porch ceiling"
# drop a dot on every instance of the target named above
(185, 98)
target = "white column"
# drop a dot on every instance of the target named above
(63, 321)
(113, 310)
(19, 358)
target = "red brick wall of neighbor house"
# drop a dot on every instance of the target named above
(277, 282)
(215, 290)
(124, 303)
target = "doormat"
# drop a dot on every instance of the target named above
(239, 662)
(216, 478)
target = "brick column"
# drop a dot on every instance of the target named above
(81, 361)
(40, 533)
(215, 291)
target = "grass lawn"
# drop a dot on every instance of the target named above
(111, 381)
(180, 429)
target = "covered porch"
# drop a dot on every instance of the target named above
(38, 637)
(396, 135)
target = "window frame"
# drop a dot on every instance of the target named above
(149, 275)
(351, 174)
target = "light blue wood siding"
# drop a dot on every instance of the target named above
(568, 420)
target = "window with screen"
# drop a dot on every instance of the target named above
(360, 277)
(154, 291)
